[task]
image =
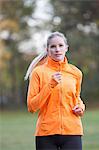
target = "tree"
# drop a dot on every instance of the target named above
(14, 17)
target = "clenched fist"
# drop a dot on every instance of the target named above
(78, 111)
(55, 79)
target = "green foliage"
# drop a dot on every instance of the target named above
(13, 21)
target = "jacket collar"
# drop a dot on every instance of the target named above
(57, 65)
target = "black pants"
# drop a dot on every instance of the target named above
(59, 142)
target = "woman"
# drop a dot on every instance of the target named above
(54, 90)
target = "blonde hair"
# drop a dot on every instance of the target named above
(43, 54)
(52, 35)
(33, 64)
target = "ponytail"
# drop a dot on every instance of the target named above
(34, 63)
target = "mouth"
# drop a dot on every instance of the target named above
(58, 55)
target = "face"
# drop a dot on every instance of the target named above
(57, 48)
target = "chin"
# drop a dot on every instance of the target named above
(59, 59)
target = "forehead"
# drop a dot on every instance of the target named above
(56, 40)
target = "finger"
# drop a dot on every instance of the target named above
(58, 73)
(77, 110)
(75, 107)
(79, 113)
(57, 77)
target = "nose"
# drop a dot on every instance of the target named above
(57, 48)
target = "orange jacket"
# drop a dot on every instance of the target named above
(55, 104)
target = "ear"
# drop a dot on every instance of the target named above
(47, 49)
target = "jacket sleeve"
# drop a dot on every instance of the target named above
(78, 90)
(37, 98)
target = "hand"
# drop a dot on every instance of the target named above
(78, 111)
(55, 79)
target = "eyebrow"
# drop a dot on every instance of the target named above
(53, 45)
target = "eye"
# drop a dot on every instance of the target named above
(60, 45)
(52, 46)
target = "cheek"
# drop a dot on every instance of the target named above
(50, 52)
(64, 52)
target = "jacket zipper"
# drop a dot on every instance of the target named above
(60, 97)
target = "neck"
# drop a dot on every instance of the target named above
(57, 60)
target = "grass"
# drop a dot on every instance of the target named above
(91, 130)
(17, 129)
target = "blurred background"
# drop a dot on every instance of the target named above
(24, 27)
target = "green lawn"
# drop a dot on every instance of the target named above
(91, 130)
(17, 129)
